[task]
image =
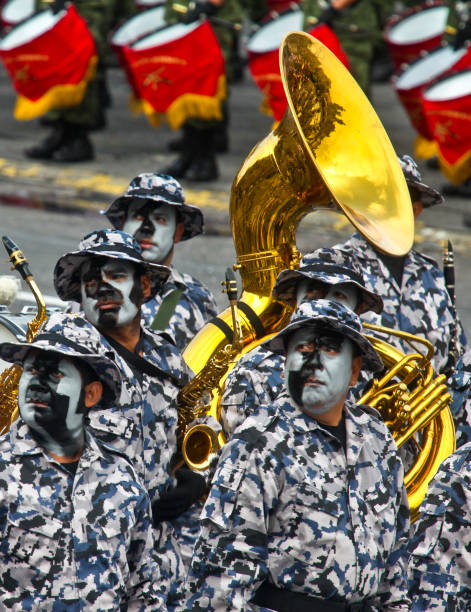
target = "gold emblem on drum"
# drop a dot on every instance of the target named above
(154, 79)
(443, 131)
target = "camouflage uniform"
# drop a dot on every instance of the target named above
(460, 389)
(440, 563)
(421, 306)
(74, 541)
(195, 307)
(287, 505)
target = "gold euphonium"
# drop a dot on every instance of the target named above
(330, 151)
(9, 378)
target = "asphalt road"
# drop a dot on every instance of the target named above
(47, 208)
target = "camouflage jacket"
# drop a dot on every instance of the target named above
(288, 506)
(195, 307)
(73, 542)
(440, 563)
(421, 306)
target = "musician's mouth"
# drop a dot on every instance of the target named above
(147, 244)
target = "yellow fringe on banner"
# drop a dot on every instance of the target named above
(265, 107)
(425, 149)
(188, 106)
(57, 97)
(458, 172)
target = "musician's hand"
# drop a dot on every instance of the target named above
(190, 488)
(462, 36)
(57, 6)
(199, 9)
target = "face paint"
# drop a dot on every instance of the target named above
(308, 290)
(111, 292)
(51, 402)
(345, 294)
(153, 226)
(318, 369)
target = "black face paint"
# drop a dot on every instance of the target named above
(147, 227)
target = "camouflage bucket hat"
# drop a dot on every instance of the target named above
(71, 336)
(316, 268)
(161, 189)
(429, 196)
(112, 244)
(336, 317)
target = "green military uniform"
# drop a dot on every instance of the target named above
(358, 30)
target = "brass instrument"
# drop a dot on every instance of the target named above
(10, 377)
(329, 152)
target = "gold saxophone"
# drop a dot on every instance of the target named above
(10, 377)
(330, 151)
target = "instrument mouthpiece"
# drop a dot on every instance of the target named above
(17, 257)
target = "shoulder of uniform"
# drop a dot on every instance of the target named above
(252, 429)
(421, 256)
(360, 409)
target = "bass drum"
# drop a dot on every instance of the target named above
(412, 80)
(415, 30)
(16, 11)
(12, 329)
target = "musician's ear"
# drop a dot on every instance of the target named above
(180, 228)
(145, 284)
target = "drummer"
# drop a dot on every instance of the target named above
(69, 141)
(154, 211)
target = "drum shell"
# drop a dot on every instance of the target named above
(411, 97)
(449, 121)
(406, 52)
(54, 69)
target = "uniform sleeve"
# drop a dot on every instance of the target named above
(393, 589)
(440, 564)
(230, 557)
(144, 566)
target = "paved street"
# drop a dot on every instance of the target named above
(66, 199)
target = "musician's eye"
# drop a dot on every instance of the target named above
(160, 219)
(330, 344)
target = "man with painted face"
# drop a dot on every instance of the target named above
(257, 379)
(307, 509)
(75, 521)
(111, 280)
(154, 211)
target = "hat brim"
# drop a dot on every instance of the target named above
(191, 215)
(287, 279)
(371, 359)
(429, 196)
(107, 372)
(67, 272)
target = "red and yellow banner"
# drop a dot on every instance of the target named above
(53, 68)
(181, 79)
(265, 70)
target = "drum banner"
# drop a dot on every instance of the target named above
(53, 69)
(265, 70)
(450, 123)
(181, 79)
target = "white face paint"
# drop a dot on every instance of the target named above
(345, 294)
(318, 370)
(111, 292)
(50, 401)
(153, 226)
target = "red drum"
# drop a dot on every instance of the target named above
(50, 60)
(411, 81)
(263, 51)
(417, 29)
(447, 108)
(178, 71)
(16, 11)
(137, 27)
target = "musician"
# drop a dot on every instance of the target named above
(307, 509)
(69, 140)
(440, 563)
(256, 381)
(153, 210)
(111, 279)
(75, 519)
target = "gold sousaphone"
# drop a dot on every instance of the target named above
(329, 152)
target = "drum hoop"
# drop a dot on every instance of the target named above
(407, 67)
(441, 80)
(9, 4)
(23, 24)
(290, 12)
(191, 28)
(395, 19)
(140, 16)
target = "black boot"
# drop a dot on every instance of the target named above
(179, 167)
(76, 146)
(463, 190)
(221, 140)
(46, 148)
(203, 166)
